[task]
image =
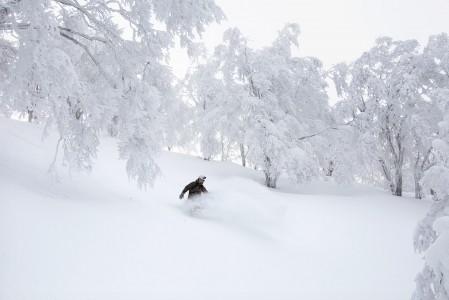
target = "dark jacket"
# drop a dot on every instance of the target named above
(195, 189)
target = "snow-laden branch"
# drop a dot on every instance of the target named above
(111, 82)
(90, 38)
(90, 17)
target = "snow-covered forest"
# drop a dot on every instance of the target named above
(88, 71)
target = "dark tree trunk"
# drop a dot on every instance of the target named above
(270, 181)
(30, 116)
(387, 175)
(270, 178)
(330, 169)
(418, 188)
(394, 141)
(243, 154)
(398, 190)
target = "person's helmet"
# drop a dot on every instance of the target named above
(202, 177)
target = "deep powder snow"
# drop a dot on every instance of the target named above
(97, 236)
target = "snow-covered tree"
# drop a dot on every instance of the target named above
(218, 101)
(271, 100)
(432, 233)
(432, 282)
(206, 92)
(84, 66)
(438, 176)
(337, 155)
(385, 94)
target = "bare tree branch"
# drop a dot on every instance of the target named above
(336, 127)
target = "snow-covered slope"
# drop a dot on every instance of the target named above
(98, 237)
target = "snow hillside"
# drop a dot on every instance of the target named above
(98, 237)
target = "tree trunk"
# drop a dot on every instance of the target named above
(417, 174)
(396, 148)
(243, 154)
(330, 168)
(422, 164)
(30, 116)
(78, 114)
(224, 156)
(387, 175)
(418, 188)
(398, 190)
(270, 180)
(398, 165)
(113, 127)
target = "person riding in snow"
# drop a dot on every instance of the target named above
(195, 188)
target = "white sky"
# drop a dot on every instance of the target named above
(332, 30)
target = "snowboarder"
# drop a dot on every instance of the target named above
(195, 188)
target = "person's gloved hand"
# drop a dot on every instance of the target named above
(181, 196)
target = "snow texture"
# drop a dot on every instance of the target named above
(99, 237)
